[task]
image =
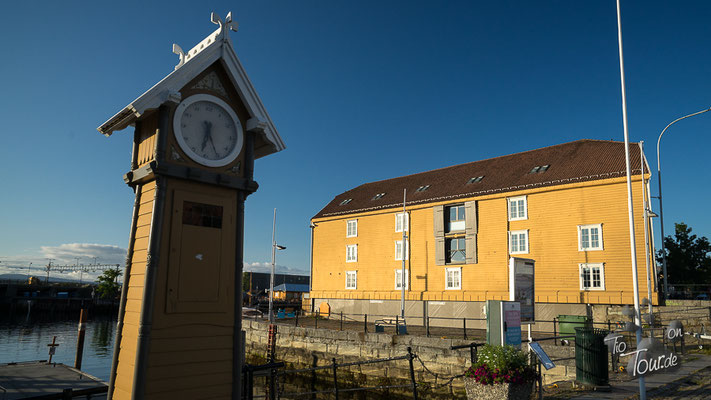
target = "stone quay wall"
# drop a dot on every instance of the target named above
(300, 347)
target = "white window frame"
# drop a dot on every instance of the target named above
(580, 237)
(398, 224)
(398, 271)
(525, 208)
(354, 256)
(446, 283)
(590, 267)
(398, 252)
(458, 225)
(528, 243)
(348, 226)
(355, 280)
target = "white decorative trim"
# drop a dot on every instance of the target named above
(205, 54)
(181, 55)
(174, 155)
(211, 82)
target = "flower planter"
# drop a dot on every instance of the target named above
(497, 391)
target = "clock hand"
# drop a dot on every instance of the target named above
(213, 147)
(206, 135)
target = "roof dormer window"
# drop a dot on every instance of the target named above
(378, 196)
(344, 202)
(475, 179)
(539, 169)
(422, 188)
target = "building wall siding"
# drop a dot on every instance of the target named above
(554, 214)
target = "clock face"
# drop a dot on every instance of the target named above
(208, 130)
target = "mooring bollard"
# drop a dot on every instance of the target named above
(80, 339)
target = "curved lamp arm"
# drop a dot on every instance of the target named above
(661, 210)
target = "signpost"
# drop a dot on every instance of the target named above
(522, 286)
(541, 354)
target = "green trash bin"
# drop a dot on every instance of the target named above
(591, 356)
(568, 323)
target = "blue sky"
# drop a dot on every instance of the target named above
(359, 91)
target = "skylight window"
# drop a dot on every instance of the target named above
(475, 179)
(422, 188)
(539, 169)
(378, 196)
(344, 202)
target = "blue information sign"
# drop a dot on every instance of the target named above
(541, 354)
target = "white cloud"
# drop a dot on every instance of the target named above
(267, 267)
(68, 253)
(64, 254)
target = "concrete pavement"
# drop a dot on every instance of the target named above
(692, 380)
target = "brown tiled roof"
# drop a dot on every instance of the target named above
(578, 161)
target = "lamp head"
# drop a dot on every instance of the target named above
(280, 247)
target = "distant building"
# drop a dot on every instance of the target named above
(258, 282)
(564, 206)
(291, 292)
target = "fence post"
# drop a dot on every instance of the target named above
(272, 384)
(296, 319)
(428, 326)
(341, 320)
(410, 357)
(397, 324)
(540, 381)
(609, 327)
(335, 378)
(464, 327)
(313, 377)
(365, 323)
(555, 333)
(316, 319)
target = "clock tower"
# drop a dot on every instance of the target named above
(196, 135)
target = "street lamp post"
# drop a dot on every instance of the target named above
(661, 212)
(275, 247)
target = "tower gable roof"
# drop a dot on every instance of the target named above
(215, 47)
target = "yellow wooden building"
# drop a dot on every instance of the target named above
(564, 206)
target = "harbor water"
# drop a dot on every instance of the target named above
(27, 340)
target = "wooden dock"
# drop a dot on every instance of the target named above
(38, 380)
